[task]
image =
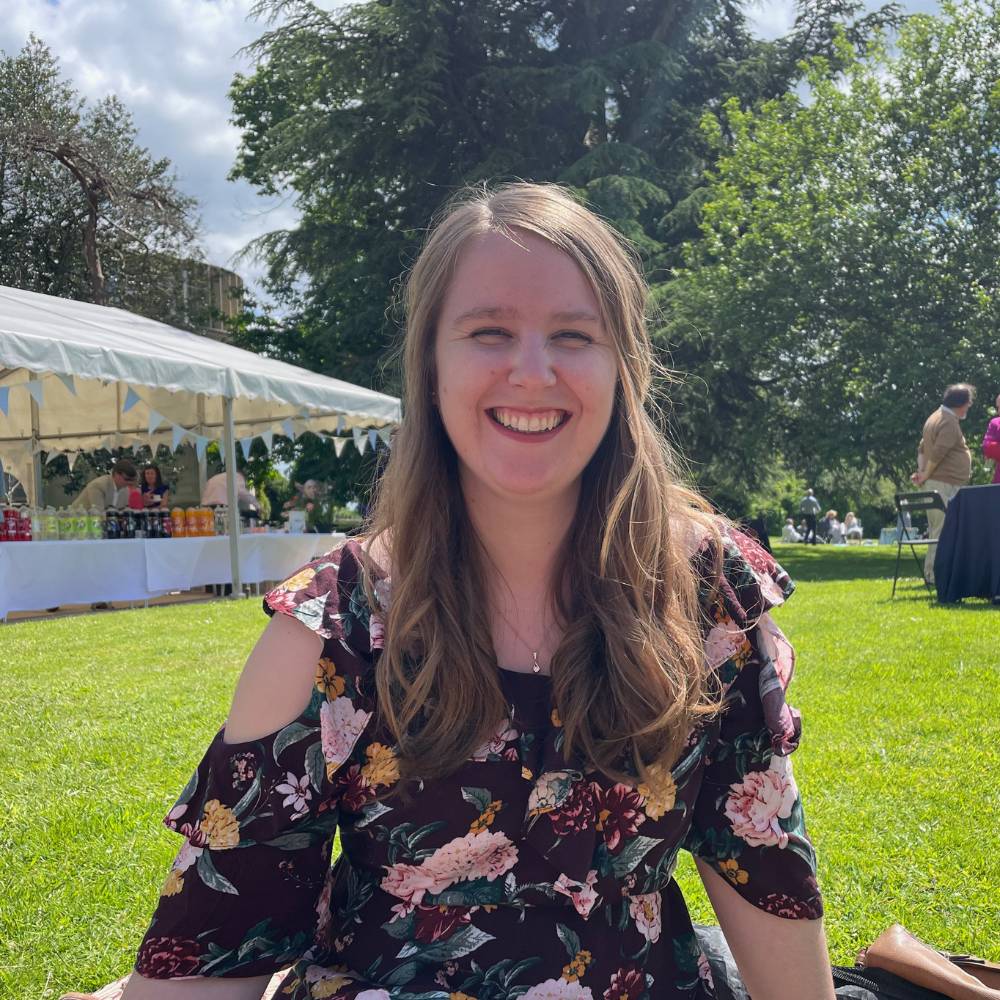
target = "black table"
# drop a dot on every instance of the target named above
(967, 563)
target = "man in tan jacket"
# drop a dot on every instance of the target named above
(944, 462)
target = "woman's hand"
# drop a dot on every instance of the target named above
(778, 959)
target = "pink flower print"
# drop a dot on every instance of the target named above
(582, 894)
(576, 813)
(722, 641)
(558, 989)
(644, 909)
(187, 856)
(503, 734)
(476, 855)
(281, 601)
(376, 631)
(408, 883)
(340, 726)
(757, 803)
(297, 794)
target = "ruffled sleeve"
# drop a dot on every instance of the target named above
(248, 892)
(747, 820)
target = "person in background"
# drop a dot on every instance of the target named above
(155, 492)
(825, 527)
(809, 508)
(216, 492)
(944, 462)
(991, 443)
(788, 532)
(852, 527)
(110, 490)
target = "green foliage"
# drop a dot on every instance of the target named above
(85, 211)
(372, 115)
(849, 260)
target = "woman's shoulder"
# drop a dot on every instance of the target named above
(330, 596)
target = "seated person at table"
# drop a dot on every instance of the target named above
(155, 492)
(788, 532)
(216, 492)
(852, 527)
(110, 490)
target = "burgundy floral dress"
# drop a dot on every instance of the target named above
(522, 876)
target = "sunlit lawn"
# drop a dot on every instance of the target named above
(103, 717)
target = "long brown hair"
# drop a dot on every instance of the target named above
(628, 678)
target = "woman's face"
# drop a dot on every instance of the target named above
(526, 371)
(150, 476)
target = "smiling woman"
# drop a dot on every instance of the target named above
(544, 670)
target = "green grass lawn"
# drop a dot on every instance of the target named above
(104, 716)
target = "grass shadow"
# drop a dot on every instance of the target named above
(843, 562)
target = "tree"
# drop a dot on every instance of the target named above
(849, 259)
(85, 212)
(371, 116)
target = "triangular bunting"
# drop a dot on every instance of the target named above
(373, 438)
(179, 434)
(5, 399)
(245, 444)
(385, 433)
(360, 440)
(35, 388)
(200, 444)
(289, 428)
(338, 445)
(51, 456)
(67, 380)
(155, 419)
(131, 398)
(268, 439)
(341, 424)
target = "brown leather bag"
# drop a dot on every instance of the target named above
(960, 977)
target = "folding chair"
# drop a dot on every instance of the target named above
(908, 503)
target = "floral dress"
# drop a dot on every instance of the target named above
(521, 875)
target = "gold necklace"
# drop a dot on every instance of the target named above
(536, 667)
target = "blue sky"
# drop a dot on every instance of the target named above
(171, 62)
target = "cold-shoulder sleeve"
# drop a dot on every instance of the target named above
(748, 821)
(245, 895)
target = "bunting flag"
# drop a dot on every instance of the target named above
(341, 424)
(245, 444)
(373, 439)
(360, 439)
(51, 456)
(200, 444)
(385, 433)
(5, 399)
(67, 380)
(338, 446)
(131, 398)
(35, 388)
(268, 439)
(155, 419)
(179, 434)
(289, 428)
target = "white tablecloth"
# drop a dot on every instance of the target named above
(37, 575)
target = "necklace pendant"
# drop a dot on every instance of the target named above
(536, 667)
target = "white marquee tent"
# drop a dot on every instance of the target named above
(76, 376)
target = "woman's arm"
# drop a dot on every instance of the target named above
(266, 699)
(778, 959)
(140, 988)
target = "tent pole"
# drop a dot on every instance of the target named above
(232, 498)
(35, 494)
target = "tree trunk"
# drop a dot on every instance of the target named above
(91, 254)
